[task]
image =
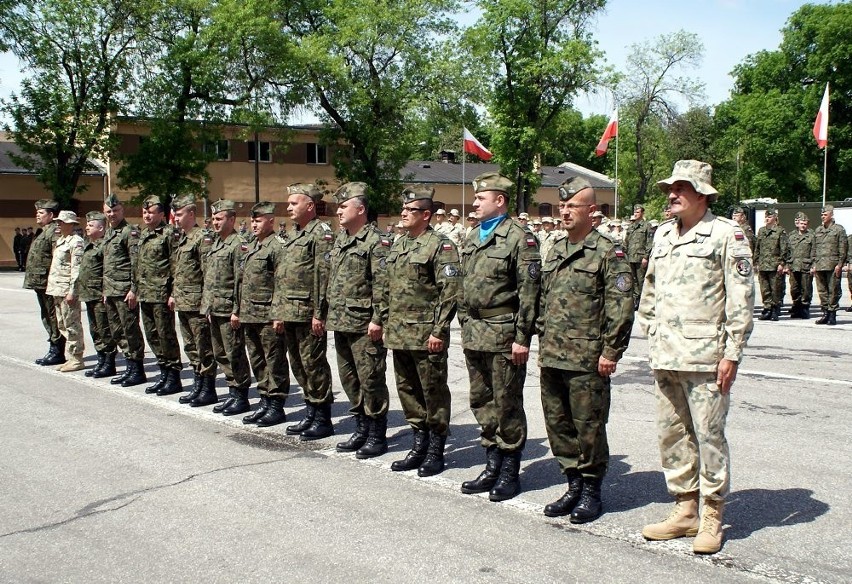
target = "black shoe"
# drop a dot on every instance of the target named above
(508, 483)
(359, 438)
(589, 508)
(377, 441)
(296, 429)
(566, 503)
(274, 413)
(488, 477)
(161, 381)
(253, 417)
(207, 396)
(832, 318)
(434, 461)
(98, 365)
(194, 390)
(823, 319)
(240, 403)
(416, 455)
(137, 375)
(107, 369)
(321, 426)
(172, 385)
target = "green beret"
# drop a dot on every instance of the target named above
(152, 200)
(828, 209)
(350, 191)
(739, 210)
(263, 208)
(95, 216)
(112, 201)
(801, 216)
(223, 205)
(638, 207)
(492, 181)
(308, 189)
(181, 201)
(771, 212)
(417, 193)
(47, 205)
(572, 186)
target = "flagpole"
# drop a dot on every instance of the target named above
(616, 174)
(824, 174)
(463, 179)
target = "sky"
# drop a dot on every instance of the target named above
(729, 29)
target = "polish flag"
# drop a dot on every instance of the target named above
(610, 133)
(472, 146)
(821, 123)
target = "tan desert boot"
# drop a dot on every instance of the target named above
(709, 538)
(681, 522)
(75, 363)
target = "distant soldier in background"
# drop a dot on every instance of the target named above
(739, 215)
(18, 248)
(90, 287)
(849, 271)
(771, 254)
(799, 268)
(62, 285)
(39, 257)
(546, 236)
(829, 256)
(442, 226)
(456, 232)
(638, 241)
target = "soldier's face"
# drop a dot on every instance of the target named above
(222, 223)
(770, 220)
(94, 230)
(547, 227)
(114, 215)
(826, 217)
(66, 228)
(262, 225)
(43, 217)
(685, 201)
(300, 208)
(185, 218)
(637, 214)
(453, 219)
(488, 204)
(349, 212)
(802, 225)
(152, 216)
(415, 215)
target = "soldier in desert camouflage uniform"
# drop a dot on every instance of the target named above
(696, 309)
(62, 286)
(90, 286)
(39, 256)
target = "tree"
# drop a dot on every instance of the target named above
(574, 140)
(76, 53)
(537, 55)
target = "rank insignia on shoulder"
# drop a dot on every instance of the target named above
(739, 235)
(446, 246)
(531, 242)
(619, 253)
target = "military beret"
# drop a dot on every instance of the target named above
(739, 210)
(112, 201)
(572, 186)
(828, 209)
(223, 205)
(801, 216)
(307, 189)
(181, 201)
(638, 207)
(417, 193)
(263, 208)
(771, 212)
(95, 216)
(351, 190)
(152, 200)
(47, 205)
(492, 181)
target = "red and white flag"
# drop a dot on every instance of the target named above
(821, 123)
(472, 146)
(610, 133)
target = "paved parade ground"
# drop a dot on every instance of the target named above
(106, 484)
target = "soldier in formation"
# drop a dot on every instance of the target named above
(62, 287)
(801, 243)
(90, 286)
(39, 256)
(638, 240)
(828, 258)
(771, 254)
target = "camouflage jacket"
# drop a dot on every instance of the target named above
(830, 247)
(698, 297)
(188, 255)
(220, 275)
(801, 250)
(456, 233)
(255, 282)
(419, 300)
(301, 276)
(120, 247)
(39, 257)
(500, 287)
(638, 241)
(152, 273)
(749, 234)
(65, 267)
(90, 282)
(586, 306)
(771, 248)
(357, 280)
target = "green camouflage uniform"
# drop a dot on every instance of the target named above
(696, 309)
(301, 278)
(423, 279)
(772, 248)
(355, 288)
(90, 289)
(829, 252)
(638, 241)
(120, 247)
(497, 308)
(218, 301)
(37, 267)
(62, 279)
(188, 271)
(849, 270)
(801, 281)
(585, 312)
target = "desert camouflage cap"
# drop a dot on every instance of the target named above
(309, 189)
(524, 216)
(47, 205)
(698, 174)
(112, 201)
(471, 215)
(263, 208)
(547, 220)
(598, 214)
(417, 193)
(351, 190)
(828, 209)
(181, 201)
(455, 213)
(95, 216)
(68, 217)
(152, 200)
(572, 186)
(802, 216)
(223, 205)
(492, 181)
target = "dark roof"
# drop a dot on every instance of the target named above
(436, 172)
(8, 166)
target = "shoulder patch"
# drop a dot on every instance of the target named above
(744, 267)
(624, 282)
(446, 246)
(531, 241)
(739, 235)
(534, 270)
(451, 271)
(385, 242)
(328, 236)
(619, 253)
(243, 247)
(134, 233)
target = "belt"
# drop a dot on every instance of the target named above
(480, 313)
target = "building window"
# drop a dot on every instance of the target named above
(545, 210)
(265, 151)
(219, 149)
(317, 154)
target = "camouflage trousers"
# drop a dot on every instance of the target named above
(70, 325)
(828, 287)
(99, 329)
(195, 330)
(421, 382)
(48, 314)
(638, 273)
(362, 367)
(267, 354)
(849, 279)
(576, 411)
(691, 416)
(497, 399)
(159, 323)
(229, 348)
(124, 324)
(308, 360)
(801, 287)
(771, 288)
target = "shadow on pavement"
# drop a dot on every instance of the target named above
(755, 509)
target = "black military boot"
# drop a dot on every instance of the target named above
(98, 365)
(58, 357)
(823, 319)
(806, 311)
(488, 477)
(274, 413)
(51, 349)
(296, 429)
(119, 378)
(321, 426)
(359, 438)
(832, 317)
(107, 369)
(434, 461)
(796, 310)
(137, 375)
(377, 441)
(766, 314)
(161, 381)
(508, 483)
(566, 503)
(776, 312)
(240, 405)
(194, 390)
(416, 455)
(219, 408)
(253, 417)
(207, 396)
(173, 384)
(849, 308)
(589, 508)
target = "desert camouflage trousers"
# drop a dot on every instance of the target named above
(70, 325)
(497, 399)
(691, 417)
(362, 367)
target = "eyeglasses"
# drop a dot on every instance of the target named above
(413, 209)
